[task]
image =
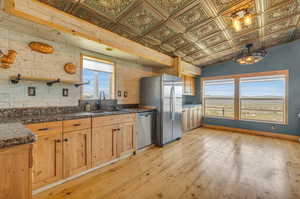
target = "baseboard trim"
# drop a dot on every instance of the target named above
(254, 132)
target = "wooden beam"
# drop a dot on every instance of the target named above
(46, 15)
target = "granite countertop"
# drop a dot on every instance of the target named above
(12, 134)
(69, 116)
(191, 105)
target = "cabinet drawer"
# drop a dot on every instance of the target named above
(126, 118)
(104, 121)
(113, 119)
(45, 128)
(78, 124)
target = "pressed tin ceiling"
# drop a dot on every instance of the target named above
(199, 31)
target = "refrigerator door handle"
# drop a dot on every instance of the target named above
(172, 102)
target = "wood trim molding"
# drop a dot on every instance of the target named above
(46, 15)
(276, 72)
(254, 132)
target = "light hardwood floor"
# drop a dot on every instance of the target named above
(204, 164)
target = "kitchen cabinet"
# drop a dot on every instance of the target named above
(77, 152)
(63, 149)
(113, 137)
(47, 153)
(76, 146)
(15, 172)
(69, 147)
(189, 85)
(185, 117)
(126, 138)
(104, 148)
(191, 118)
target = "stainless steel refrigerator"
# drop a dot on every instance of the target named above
(165, 94)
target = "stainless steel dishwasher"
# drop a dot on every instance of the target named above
(145, 125)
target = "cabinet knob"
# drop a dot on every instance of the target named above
(76, 124)
(66, 140)
(58, 141)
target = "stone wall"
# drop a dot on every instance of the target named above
(30, 63)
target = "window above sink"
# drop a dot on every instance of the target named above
(101, 75)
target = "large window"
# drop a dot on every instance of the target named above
(263, 98)
(254, 97)
(100, 74)
(219, 98)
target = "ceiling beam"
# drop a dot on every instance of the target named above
(43, 14)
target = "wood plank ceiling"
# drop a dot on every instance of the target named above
(199, 31)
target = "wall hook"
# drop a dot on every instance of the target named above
(53, 82)
(81, 84)
(16, 80)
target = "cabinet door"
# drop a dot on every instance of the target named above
(195, 117)
(104, 144)
(192, 86)
(199, 110)
(47, 159)
(189, 119)
(185, 120)
(77, 152)
(126, 138)
(15, 172)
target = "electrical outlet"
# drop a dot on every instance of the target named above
(65, 92)
(31, 91)
(119, 93)
(125, 94)
(273, 127)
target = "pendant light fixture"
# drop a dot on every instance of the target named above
(246, 57)
(241, 18)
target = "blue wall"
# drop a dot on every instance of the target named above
(283, 57)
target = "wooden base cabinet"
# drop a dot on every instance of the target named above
(126, 139)
(112, 137)
(63, 149)
(67, 148)
(77, 152)
(191, 118)
(15, 172)
(185, 120)
(47, 153)
(104, 148)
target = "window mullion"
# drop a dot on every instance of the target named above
(237, 98)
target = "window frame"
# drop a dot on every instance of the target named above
(113, 82)
(237, 100)
(219, 117)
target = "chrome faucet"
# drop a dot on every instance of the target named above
(101, 97)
